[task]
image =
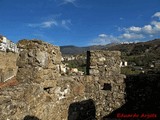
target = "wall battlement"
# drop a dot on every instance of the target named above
(47, 95)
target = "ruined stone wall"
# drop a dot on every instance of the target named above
(8, 68)
(38, 61)
(45, 94)
(104, 67)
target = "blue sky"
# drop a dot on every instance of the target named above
(80, 22)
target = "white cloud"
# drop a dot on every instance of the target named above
(134, 29)
(153, 28)
(45, 24)
(157, 14)
(52, 23)
(148, 29)
(132, 33)
(151, 36)
(121, 18)
(103, 39)
(131, 36)
(48, 24)
(156, 24)
(66, 24)
(68, 2)
(102, 35)
(145, 31)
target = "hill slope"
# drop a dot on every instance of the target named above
(142, 53)
(73, 50)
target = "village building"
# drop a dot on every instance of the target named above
(7, 45)
(123, 64)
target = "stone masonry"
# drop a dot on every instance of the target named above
(42, 92)
(38, 61)
(8, 68)
(104, 67)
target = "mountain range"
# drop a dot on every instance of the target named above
(152, 46)
(73, 50)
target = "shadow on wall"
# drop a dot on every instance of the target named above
(28, 117)
(142, 99)
(84, 110)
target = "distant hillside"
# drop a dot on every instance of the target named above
(138, 55)
(73, 50)
(141, 54)
(152, 46)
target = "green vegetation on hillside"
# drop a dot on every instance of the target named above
(79, 64)
(129, 71)
(138, 55)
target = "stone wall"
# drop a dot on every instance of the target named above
(44, 94)
(8, 68)
(104, 67)
(38, 61)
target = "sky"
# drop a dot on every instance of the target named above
(80, 22)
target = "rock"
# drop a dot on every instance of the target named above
(42, 58)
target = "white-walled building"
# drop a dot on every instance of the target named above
(69, 58)
(3, 42)
(7, 45)
(123, 64)
(63, 68)
(74, 70)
